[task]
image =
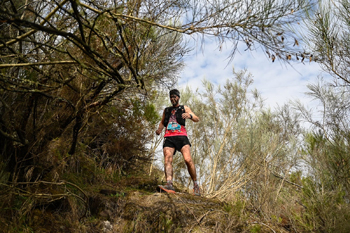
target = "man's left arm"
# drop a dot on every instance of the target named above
(189, 114)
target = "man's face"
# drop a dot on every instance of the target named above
(174, 99)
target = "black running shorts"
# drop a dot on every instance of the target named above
(176, 142)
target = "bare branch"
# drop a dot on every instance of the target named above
(2, 66)
(33, 31)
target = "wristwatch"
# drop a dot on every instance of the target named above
(191, 116)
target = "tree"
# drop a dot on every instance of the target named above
(326, 154)
(63, 60)
(326, 148)
(60, 67)
(327, 36)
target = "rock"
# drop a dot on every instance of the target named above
(107, 226)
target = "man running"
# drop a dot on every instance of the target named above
(175, 139)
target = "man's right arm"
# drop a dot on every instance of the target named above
(161, 125)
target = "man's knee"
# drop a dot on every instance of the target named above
(168, 153)
(189, 163)
(188, 159)
(168, 159)
(186, 153)
(186, 150)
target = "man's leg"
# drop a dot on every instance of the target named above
(168, 162)
(186, 153)
(168, 170)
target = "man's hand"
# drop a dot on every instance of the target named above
(186, 115)
(158, 131)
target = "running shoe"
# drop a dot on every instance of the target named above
(167, 188)
(196, 190)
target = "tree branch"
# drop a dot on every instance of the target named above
(34, 30)
(2, 66)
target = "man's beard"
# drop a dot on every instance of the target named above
(175, 103)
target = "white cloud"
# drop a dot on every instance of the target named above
(276, 81)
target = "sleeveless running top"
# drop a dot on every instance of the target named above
(173, 121)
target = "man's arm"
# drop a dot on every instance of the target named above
(189, 114)
(161, 125)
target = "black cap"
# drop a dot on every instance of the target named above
(174, 92)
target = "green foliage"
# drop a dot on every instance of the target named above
(295, 177)
(236, 208)
(109, 66)
(165, 223)
(118, 195)
(324, 210)
(327, 35)
(255, 229)
(325, 192)
(145, 110)
(119, 136)
(276, 219)
(151, 114)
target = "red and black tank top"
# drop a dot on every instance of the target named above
(173, 121)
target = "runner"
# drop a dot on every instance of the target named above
(175, 139)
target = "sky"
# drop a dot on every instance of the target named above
(277, 82)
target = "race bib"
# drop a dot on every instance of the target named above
(174, 126)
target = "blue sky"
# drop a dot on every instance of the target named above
(277, 82)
